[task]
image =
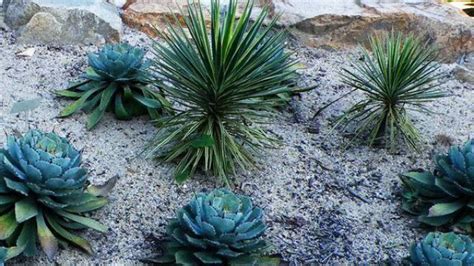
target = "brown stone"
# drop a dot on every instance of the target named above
(341, 23)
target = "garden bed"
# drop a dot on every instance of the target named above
(322, 203)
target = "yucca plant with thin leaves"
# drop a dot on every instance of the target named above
(400, 76)
(225, 83)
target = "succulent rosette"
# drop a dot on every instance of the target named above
(116, 80)
(217, 228)
(447, 249)
(43, 195)
(446, 195)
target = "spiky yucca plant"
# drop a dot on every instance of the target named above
(400, 76)
(225, 82)
(446, 196)
(447, 249)
(43, 195)
(219, 228)
(117, 80)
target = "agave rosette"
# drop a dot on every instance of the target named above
(446, 196)
(43, 195)
(443, 249)
(217, 228)
(116, 81)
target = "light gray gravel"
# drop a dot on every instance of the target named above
(323, 204)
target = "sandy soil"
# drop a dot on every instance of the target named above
(323, 203)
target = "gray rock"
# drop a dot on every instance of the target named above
(464, 74)
(63, 22)
(465, 71)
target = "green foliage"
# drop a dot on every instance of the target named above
(447, 249)
(217, 228)
(117, 81)
(400, 76)
(446, 196)
(42, 196)
(226, 84)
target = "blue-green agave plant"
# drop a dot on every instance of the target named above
(43, 195)
(217, 228)
(443, 249)
(445, 196)
(117, 80)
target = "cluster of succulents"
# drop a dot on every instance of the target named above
(43, 195)
(117, 80)
(447, 249)
(445, 196)
(217, 228)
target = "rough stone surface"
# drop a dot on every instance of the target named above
(63, 22)
(342, 23)
(465, 71)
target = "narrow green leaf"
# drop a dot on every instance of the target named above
(48, 242)
(78, 241)
(89, 206)
(84, 220)
(202, 141)
(78, 104)
(27, 238)
(148, 102)
(68, 93)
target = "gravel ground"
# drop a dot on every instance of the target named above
(323, 203)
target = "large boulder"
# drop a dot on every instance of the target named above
(63, 22)
(341, 23)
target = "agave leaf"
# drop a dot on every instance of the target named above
(48, 242)
(9, 253)
(435, 221)
(208, 258)
(49, 202)
(87, 207)
(27, 238)
(95, 117)
(7, 199)
(78, 104)
(25, 209)
(185, 258)
(16, 186)
(68, 93)
(83, 220)
(120, 111)
(148, 102)
(442, 209)
(78, 241)
(8, 225)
